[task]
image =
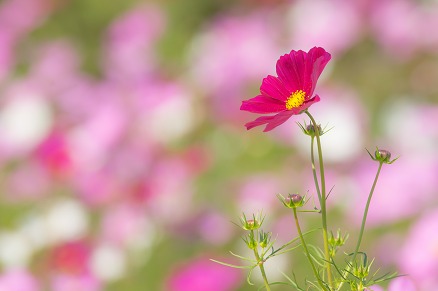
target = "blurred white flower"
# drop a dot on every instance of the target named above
(66, 220)
(15, 250)
(24, 122)
(108, 262)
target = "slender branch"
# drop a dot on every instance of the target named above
(365, 213)
(306, 251)
(364, 218)
(315, 177)
(323, 200)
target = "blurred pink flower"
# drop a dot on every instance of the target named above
(30, 181)
(327, 29)
(54, 153)
(257, 193)
(291, 92)
(124, 224)
(415, 33)
(70, 267)
(171, 189)
(202, 274)
(66, 282)
(18, 280)
(215, 228)
(402, 284)
(96, 188)
(51, 60)
(419, 256)
(398, 185)
(21, 16)
(71, 258)
(244, 48)
(129, 51)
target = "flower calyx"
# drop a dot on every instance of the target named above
(264, 238)
(382, 156)
(250, 241)
(252, 224)
(310, 129)
(292, 200)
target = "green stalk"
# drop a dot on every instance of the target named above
(262, 268)
(323, 201)
(315, 177)
(306, 250)
(365, 213)
(364, 219)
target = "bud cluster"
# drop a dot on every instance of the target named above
(336, 241)
(254, 239)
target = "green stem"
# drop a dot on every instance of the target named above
(262, 268)
(306, 250)
(365, 214)
(315, 177)
(323, 201)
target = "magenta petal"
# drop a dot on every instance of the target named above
(278, 119)
(271, 121)
(262, 104)
(290, 68)
(318, 59)
(308, 103)
(259, 121)
(273, 87)
(300, 71)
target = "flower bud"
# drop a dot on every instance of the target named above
(382, 156)
(292, 201)
(251, 224)
(250, 241)
(265, 238)
(310, 129)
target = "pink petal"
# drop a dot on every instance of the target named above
(259, 121)
(319, 58)
(290, 70)
(300, 71)
(262, 104)
(278, 119)
(273, 87)
(308, 103)
(271, 121)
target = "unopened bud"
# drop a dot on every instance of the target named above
(382, 156)
(292, 201)
(311, 130)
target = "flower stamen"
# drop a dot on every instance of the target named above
(295, 100)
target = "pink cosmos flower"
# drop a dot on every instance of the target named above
(291, 92)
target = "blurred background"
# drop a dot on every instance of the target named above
(124, 159)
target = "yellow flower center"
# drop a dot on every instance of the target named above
(295, 100)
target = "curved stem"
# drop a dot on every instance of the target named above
(323, 201)
(365, 214)
(306, 250)
(262, 268)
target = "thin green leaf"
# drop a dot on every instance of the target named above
(232, 266)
